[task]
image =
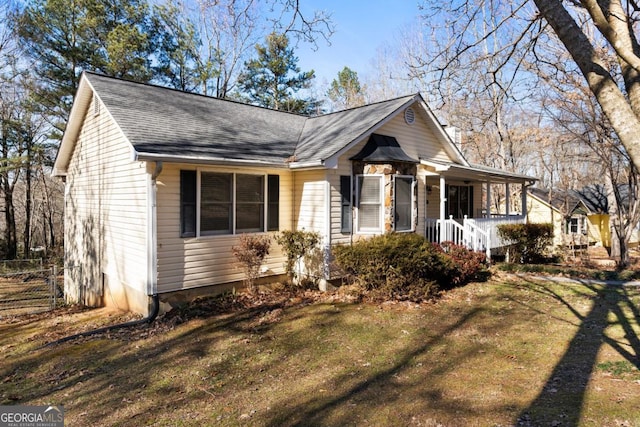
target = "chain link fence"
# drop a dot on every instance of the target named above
(28, 286)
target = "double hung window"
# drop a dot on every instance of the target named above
(369, 193)
(213, 203)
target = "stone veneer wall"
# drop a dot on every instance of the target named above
(388, 170)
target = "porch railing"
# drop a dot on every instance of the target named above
(478, 234)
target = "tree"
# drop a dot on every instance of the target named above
(65, 37)
(616, 190)
(345, 91)
(178, 61)
(599, 35)
(273, 78)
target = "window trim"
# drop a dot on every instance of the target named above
(412, 203)
(370, 230)
(267, 201)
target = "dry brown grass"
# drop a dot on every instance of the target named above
(507, 352)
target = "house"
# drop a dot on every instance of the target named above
(574, 223)
(578, 218)
(159, 184)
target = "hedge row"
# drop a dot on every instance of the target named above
(405, 266)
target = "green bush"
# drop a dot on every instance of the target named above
(405, 266)
(528, 241)
(296, 244)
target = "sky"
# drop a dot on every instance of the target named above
(361, 27)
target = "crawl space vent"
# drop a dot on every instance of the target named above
(409, 116)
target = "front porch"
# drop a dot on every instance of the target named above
(478, 234)
(466, 204)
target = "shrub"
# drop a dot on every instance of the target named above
(296, 245)
(466, 264)
(528, 241)
(406, 266)
(250, 252)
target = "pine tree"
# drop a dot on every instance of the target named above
(346, 91)
(273, 78)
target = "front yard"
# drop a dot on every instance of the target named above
(511, 351)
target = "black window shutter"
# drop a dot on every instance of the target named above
(273, 202)
(345, 203)
(188, 193)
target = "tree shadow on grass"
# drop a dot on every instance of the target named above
(561, 400)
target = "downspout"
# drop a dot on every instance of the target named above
(351, 206)
(327, 234)
(152, 233)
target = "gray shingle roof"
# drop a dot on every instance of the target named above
(162, 121)
(165, 122)
(566, 201)
(324, 136)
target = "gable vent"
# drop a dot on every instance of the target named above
(96, 105)
(409, 116)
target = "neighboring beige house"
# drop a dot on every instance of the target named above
(568, 213)
(575, 220)
(160, 184)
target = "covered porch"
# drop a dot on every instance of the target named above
(466, 204)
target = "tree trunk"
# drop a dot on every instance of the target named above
(26, 238)
(10, 235)
(613, 102)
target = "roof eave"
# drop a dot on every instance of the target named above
(497, 174)
(205, 160)
(81, 102)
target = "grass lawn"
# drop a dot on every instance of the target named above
(511, 351)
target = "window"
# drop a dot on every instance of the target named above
(459, 201)
(345, 203)
(403, 203)
(576, 225)
(213, 203)
(249, 203)
(216, 203)
(370, 203)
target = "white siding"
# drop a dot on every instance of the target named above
(186, 263)
(333, 175)
(105, 212)
(309, 201)
(417, 140)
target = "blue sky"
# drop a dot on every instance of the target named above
(361, 28)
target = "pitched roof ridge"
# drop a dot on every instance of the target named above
(184, 92)
(385, 101)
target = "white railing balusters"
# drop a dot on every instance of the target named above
(478, 234)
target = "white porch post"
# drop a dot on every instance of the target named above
(524, 201)
(488, 201)
(443, 201)
(507, 199)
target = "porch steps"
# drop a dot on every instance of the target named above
(598, 256)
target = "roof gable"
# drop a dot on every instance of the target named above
(567, 202)
(170, 125)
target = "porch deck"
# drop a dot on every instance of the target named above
(478, 234)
